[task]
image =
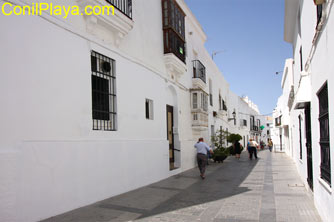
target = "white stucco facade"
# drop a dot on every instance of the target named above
(51, 159)
(305, 76)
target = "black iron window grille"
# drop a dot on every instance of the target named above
(173, 29)
(325, 166)
(199, 70)
(125, 6)
(103, 92)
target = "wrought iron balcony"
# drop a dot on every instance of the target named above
(254, 128)
(199, 70)
(125, 6)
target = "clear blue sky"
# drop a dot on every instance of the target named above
(250, 33)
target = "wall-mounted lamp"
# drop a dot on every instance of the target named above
(234, 115)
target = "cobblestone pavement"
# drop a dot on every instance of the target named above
(266, 189)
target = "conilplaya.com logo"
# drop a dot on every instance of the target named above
(12, 9)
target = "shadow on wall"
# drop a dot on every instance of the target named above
(175, 193)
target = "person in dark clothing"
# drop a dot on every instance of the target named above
(237, 148)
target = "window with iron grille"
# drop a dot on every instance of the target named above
(173, 29)
(103, 92)
(325, 166)
(125, 6)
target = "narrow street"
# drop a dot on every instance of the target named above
(267, 189)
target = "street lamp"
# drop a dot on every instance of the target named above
(234, 115)
(214, 53)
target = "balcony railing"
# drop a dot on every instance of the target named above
(199, 70)
(125, 6)
(254, 128)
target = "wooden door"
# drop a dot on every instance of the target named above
(170, 135)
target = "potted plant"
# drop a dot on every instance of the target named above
(219, 152)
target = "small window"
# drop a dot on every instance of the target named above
(149, 109)
(204, 102)
(195, 117)
(195, 106)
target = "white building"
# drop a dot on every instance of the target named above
(95, 106)
(302, 114)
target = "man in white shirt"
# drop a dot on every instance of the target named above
(253, 148)
(202, 151)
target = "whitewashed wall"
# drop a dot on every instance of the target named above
(318, 53)
(51, 160)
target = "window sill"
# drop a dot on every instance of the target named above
(301, 161)
(325, 185)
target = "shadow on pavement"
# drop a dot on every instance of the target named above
(173, 194)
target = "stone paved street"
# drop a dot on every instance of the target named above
(267, 189)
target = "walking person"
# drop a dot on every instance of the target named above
(237, 148)
(270, 145)
(202, 151)
(253, 148)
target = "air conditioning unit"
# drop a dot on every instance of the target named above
(319, 2)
